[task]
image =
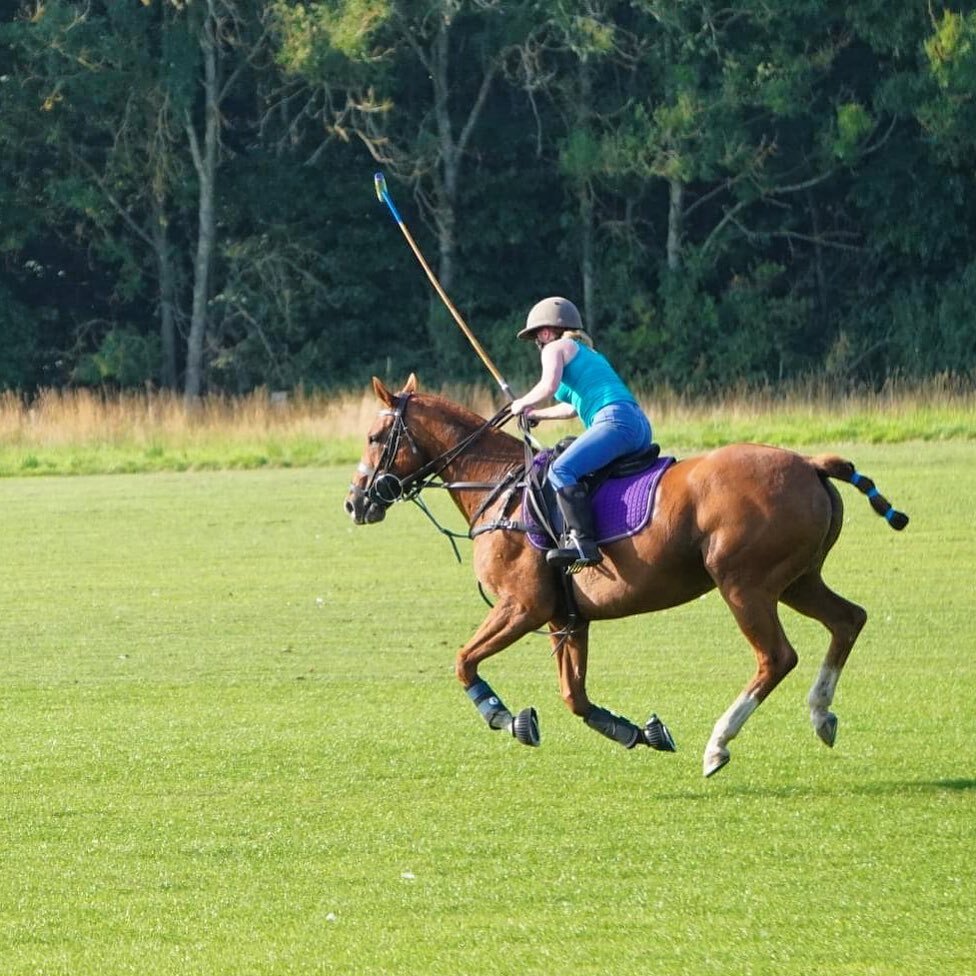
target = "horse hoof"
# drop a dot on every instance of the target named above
(525, 728)
(658, 736)
(827, 730)
(714, 761)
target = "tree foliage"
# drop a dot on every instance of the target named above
(732, 194)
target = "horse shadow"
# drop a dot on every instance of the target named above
(800, 791)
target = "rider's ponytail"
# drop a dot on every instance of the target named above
(579, 335)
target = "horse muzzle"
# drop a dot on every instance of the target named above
(362, 509)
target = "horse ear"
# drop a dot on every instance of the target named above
(382, 392)
(411, 385)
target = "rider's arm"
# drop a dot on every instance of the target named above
(555, 356)
(558, 411)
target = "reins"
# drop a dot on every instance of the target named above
(385, 488)
(423, 477)
(409, 487)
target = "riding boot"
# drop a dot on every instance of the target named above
(578, 546)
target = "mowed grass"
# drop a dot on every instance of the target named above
(231, 742)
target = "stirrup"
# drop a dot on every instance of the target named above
(575, 555)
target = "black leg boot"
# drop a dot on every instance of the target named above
(578, 546)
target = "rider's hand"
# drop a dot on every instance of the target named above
(517, 407)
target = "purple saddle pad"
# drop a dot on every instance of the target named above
(621, 506)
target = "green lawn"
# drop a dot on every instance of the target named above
(231, 742)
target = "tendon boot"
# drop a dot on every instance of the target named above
(578, 546)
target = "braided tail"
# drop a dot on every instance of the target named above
(832, 466)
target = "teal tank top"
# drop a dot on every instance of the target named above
(590, 383)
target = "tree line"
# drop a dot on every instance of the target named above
(732, 194)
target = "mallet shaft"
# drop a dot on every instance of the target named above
(384, 195)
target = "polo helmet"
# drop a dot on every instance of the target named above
(556, 313)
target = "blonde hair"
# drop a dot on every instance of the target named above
(579, 335)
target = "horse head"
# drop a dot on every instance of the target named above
(391, 456)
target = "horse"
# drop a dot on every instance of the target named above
(755, 522)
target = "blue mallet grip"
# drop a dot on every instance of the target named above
(383, 194)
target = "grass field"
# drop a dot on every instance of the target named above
(231, 742)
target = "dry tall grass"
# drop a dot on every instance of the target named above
(59, 421)
(75, 417)
(947, 397)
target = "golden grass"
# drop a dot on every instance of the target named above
(268, 429)
(819, 394)
(73, 417)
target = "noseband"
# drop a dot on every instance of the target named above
(383, 487)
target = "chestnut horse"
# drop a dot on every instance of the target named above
(755, 522)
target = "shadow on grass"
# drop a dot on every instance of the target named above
(952, 784)
(914, 786)
(803, 790)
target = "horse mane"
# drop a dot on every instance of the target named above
(465, 415)
(469, 420)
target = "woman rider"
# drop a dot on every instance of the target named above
(584, 384)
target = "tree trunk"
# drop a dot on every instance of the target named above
(675, 223)
(818, 257)
(587, 230)
(167, 299)
(205, 162)
(446, 191)
(446, 178)
(587, 264)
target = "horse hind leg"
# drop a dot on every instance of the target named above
(571, 650)
(758, 620)
(812, 597)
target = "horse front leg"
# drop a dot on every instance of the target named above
(571, 649)
(508, 621)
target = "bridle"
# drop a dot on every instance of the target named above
(383, 488)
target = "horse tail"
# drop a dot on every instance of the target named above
(832, 466)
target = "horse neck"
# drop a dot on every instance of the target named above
(487, 461)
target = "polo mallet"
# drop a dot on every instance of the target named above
(383, 194)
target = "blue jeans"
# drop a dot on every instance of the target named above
(618, 429)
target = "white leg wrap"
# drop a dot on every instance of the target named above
(728, 726)
(726, 729)
(821, 695)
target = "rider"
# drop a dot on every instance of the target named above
(584, 384)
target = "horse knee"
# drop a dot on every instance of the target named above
(844, 630)
(782, 664)
(773, 668)
(464, 670)
(787, 661)
(858, 617)
(577, 702)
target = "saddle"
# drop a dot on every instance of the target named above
(622, 495)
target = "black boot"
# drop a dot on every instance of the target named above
(578, 546)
